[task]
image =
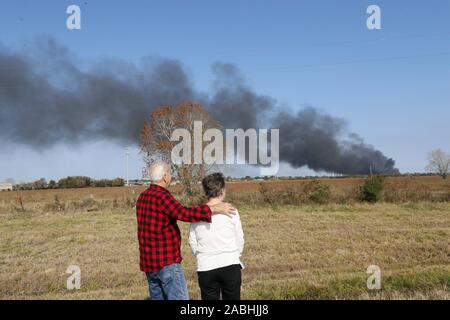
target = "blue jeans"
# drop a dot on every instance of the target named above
(168, 283)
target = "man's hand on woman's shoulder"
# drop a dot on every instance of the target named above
(223, 208)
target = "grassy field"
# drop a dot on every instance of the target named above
(291, 252)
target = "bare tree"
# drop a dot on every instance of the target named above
(156, 144)
(439, 163)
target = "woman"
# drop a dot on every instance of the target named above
(218, 247)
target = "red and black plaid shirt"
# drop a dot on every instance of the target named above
(158, 233)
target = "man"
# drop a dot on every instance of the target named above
(159, 237)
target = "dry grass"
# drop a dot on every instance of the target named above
(343, 190)
(302, 252)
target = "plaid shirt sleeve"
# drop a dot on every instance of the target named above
(159, 237)
(171, 207)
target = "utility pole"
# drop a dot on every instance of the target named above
(127, 153)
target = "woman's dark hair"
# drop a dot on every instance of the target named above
(213, 185)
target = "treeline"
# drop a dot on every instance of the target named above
(336, 176)
(70, 182)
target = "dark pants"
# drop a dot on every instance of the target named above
(226, 280)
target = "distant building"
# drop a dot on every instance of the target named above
(4, 186)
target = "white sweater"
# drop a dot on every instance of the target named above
(217, 244)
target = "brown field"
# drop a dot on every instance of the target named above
(245, 192)
(292, 252)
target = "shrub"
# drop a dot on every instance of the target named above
(131, 202)
(268, 195)
(118, 182)
(74, 182)
(56, 205)
(371, 189)
(316, 192)
(52, 184)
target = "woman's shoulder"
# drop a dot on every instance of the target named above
(236, 217)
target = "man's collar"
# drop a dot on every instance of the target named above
(158, 187)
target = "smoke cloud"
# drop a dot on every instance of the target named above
(47, 98)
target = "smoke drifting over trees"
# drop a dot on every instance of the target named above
(46, 98)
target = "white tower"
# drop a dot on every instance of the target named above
(127, 153)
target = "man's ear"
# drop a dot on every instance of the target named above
(165, 178)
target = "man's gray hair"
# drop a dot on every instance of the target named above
(157, 170)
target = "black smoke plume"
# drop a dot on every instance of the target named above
(47, 98)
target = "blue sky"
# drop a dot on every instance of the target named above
(392, 85)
